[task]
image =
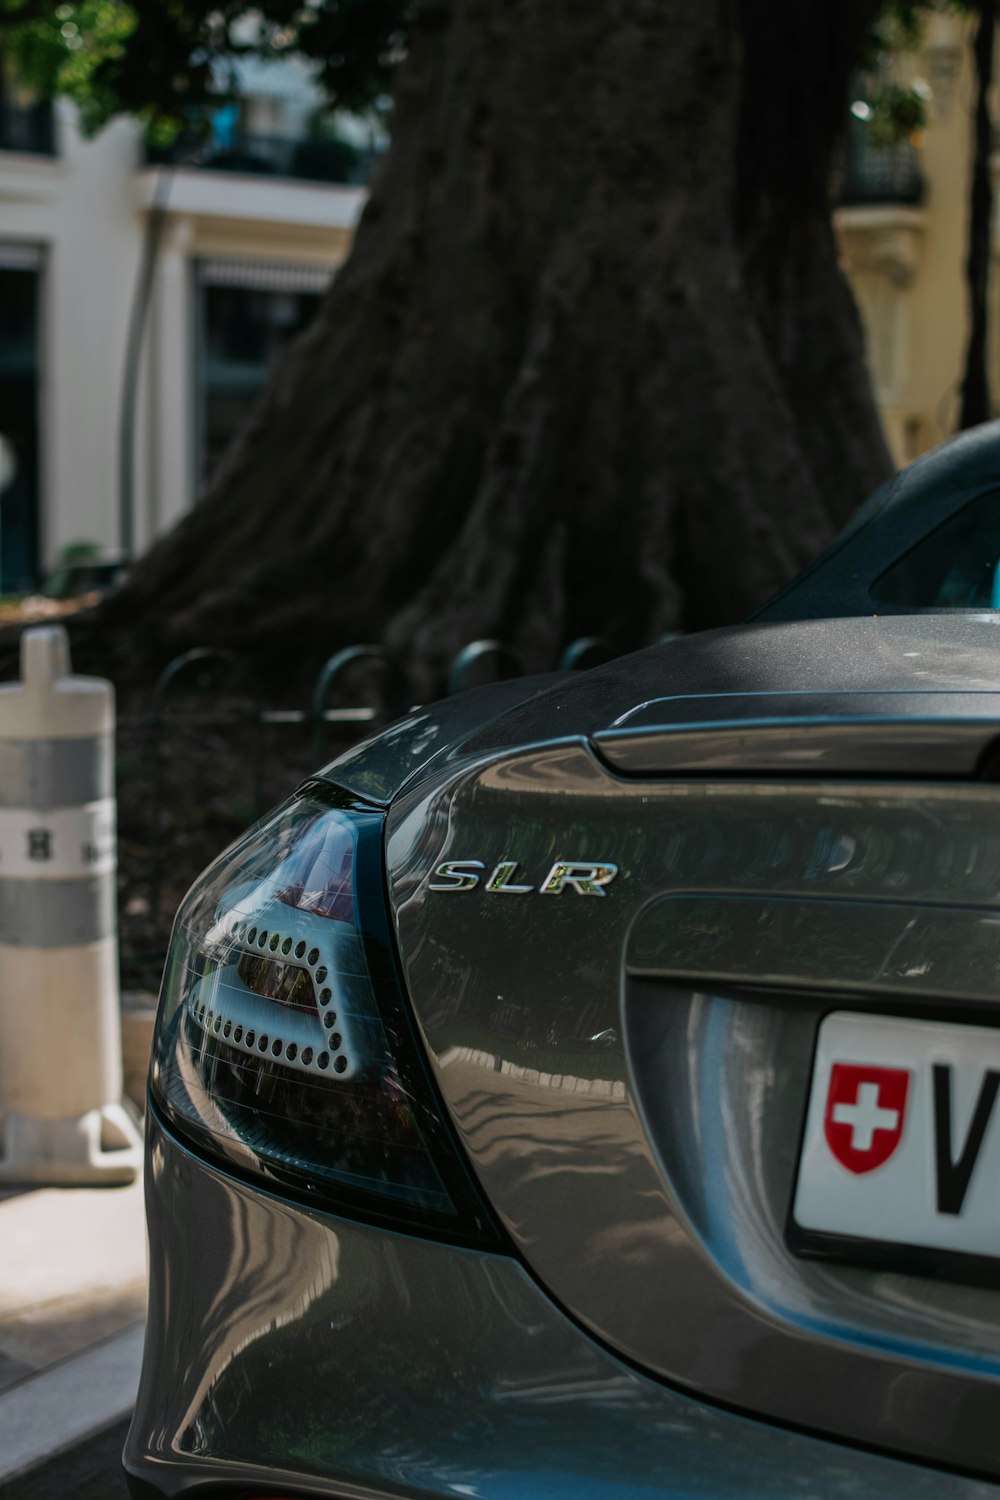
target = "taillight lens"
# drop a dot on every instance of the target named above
(283, 1044)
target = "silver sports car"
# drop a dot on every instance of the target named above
(588, 1087)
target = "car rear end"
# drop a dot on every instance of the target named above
(663, 1152)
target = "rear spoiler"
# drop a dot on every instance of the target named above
(901, 734)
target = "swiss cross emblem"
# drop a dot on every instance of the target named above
(865, 1112)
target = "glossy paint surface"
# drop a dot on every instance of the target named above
(946, 667)
(293, 1352)
(629, 1072)
(377, 767)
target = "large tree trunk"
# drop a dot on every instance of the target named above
(592, 366)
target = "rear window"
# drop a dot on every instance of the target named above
(956, 566)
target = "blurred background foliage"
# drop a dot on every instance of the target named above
(165, 61)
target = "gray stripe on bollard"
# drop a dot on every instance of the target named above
(56, 913)
(55, 773)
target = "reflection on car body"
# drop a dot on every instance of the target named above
(658, 1191)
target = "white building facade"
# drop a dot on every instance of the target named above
(245, 242)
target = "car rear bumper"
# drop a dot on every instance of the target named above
(293, 1352)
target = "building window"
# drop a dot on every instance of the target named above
(245, 314)
(26, 123)
(20, 286)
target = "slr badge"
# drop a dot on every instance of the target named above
(506, 879)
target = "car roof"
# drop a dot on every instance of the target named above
(901, 513)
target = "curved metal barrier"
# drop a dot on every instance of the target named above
(476, 652)
(336, 667)
(586, 651)
(158, 721)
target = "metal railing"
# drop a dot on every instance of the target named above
(254, 154)
(206, 693)
(869, 173)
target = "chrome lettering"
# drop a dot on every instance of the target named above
(502, 879)
(580, 876)
(585, 879)
(457, 875)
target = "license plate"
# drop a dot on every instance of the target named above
(901, 1146)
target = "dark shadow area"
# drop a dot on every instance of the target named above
(91, 1471)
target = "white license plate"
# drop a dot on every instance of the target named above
(902, 1137)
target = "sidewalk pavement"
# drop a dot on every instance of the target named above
(72, 1304)
(72, 1297)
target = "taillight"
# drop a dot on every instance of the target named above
(283, 1043)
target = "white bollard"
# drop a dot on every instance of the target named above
(61, 1117)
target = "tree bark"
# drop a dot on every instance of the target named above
(976, 402)
(592, 367)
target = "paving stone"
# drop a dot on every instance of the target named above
(72, 1271)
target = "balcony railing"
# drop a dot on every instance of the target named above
(27, 127)
(271, 156)
(869, 173)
